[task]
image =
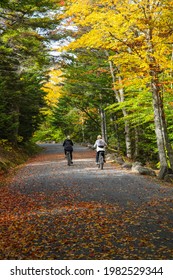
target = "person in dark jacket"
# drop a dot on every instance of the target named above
(68, 146)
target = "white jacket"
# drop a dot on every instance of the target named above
(100, 145)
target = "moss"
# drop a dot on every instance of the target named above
(4, 164)
(14, 156)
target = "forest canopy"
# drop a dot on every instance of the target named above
(112, 74)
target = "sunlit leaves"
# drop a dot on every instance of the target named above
(138, 38)
(53, 87)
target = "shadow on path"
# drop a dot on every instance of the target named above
(54, 211)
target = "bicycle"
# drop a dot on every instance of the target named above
(68, 156)
(101, 159)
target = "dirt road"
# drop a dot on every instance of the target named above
(53, 211)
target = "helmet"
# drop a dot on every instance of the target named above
(99, 137)
(68, 137)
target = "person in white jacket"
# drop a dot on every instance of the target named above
(99, 145)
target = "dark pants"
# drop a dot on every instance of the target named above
(71, 153)
(97, 155)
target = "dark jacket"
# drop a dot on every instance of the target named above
(68, 145)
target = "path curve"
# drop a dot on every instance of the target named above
(82, 212)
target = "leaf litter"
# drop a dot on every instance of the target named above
(61, 224)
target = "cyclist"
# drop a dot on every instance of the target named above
(68, 146)
(100, 145)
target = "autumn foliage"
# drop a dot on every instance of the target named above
(136, 37)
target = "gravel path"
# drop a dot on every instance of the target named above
(49, 172)
(82, 212)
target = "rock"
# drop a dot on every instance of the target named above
(146, 171)
(119, 160)
(127, 165)
(136, 165)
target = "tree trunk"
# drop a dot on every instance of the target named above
(163, 145)
(118, 147)
(169, 150)
(119, 95)
(159, 125)
(83, 131)
(136, 152)
(103, 124)
(127, 136)
(163, 142)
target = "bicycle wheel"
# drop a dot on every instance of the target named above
(101, 162)
(68, 158)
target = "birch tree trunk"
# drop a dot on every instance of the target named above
(127, 136)
(136, 152)
(158, 125)
(116, 131)
(163, 144)
(119, 95)
(103, 124)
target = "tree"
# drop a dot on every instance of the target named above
(86, 87)
(24, 61)
(139, 33)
